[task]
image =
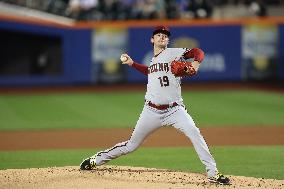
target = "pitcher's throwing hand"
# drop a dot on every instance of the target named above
(125, 59)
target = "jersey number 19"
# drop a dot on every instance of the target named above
(164, 81)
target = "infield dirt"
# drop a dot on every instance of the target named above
(164, 137)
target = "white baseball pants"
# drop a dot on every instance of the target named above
(151, 119)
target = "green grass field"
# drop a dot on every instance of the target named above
(120, 110)
(261, 161)
(106, 110)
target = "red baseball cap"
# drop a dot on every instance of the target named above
(162, 29)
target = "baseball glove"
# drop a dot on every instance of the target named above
(181, 69)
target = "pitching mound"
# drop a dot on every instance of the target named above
(120, 177)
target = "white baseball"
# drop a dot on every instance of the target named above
(123, 58)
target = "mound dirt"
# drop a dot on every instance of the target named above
(118, 177)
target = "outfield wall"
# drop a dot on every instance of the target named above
(35, 52)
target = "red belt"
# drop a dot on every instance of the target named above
(162, 106)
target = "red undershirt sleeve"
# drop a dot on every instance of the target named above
(140, 67)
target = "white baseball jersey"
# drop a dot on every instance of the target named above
(163, 87)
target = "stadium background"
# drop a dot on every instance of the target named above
(66, 76)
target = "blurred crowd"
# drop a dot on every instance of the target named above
(141, 9)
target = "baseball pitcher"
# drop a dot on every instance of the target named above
(163, 103)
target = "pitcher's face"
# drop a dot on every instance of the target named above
(160, 40)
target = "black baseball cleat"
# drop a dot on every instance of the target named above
(219, 179)
(87, 164)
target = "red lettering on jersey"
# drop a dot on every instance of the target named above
(158, 67)
(155, 67)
